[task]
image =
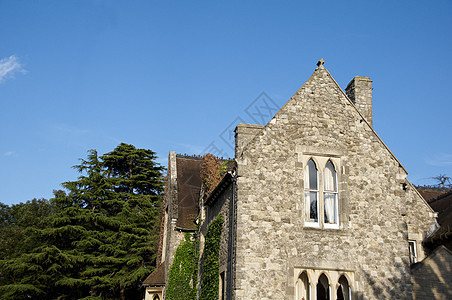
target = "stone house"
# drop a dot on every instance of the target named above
(316, 206)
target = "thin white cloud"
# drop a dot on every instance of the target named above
(10, 66)
(9, 153)
(440, 160)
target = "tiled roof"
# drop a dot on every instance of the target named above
(188, 190)
(442, 205)
(429, 195)
(157, 277)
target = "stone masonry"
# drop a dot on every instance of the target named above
(378, 208)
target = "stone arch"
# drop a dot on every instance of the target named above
(348, 277)
(323, 288)
(330, 161)
(317, 167)
(303, 286)
(343, 291)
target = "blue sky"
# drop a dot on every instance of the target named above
(175, 75)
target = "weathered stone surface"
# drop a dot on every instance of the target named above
(377, 214)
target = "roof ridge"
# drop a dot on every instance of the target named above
(189, 156)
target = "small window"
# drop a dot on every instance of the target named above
(413, 252)
(311, 188)
(221, 287)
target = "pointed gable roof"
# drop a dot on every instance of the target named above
(322, 72)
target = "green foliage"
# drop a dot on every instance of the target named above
(210, 275)
(224, 167)
(17, 223)
(183, 273)
(99, 240)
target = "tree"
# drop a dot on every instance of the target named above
(138, 182)
(19, 224)
(16, 223)
(101, 241)
(443, 181)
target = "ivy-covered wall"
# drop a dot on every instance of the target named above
(210, 275)
(182, 278)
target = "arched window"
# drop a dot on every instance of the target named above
(330, 195)
(323, 288)
(311, 192)
(343, 291)
(303, 287)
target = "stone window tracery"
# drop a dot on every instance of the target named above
(323, 290)
(303, 287)
(343, 291)
(317, 284)
(321, 193)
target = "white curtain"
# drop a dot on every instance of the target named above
(330, 193)
(330, 183)
(330, 208)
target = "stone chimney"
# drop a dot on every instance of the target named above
(244, 133)
(359, 90)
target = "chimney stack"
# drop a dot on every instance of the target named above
(244, 133)
(359, 90)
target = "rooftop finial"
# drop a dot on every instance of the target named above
(320, 62)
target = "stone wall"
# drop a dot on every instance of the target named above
(371, 243)
(244, 133)
(419, 219)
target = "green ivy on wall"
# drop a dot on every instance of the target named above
(210, 276)
(183, 272)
